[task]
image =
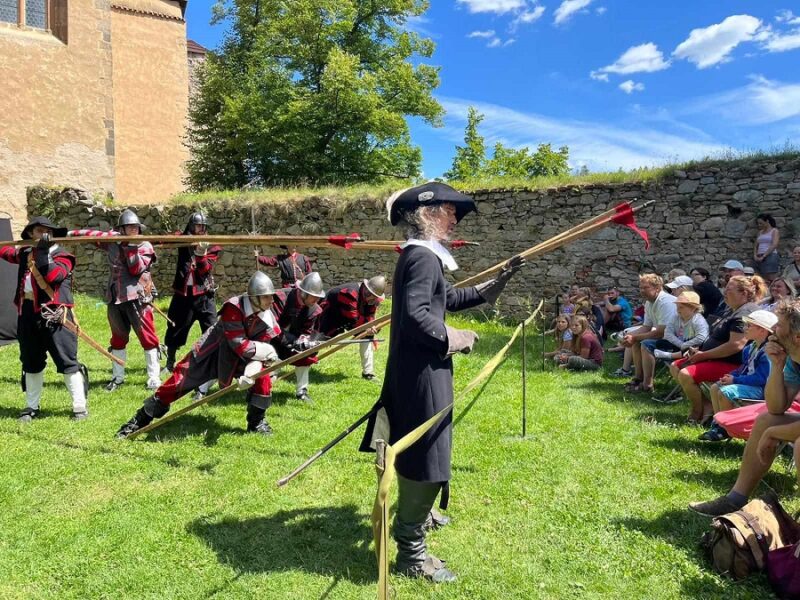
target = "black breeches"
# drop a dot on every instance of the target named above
(184, 311)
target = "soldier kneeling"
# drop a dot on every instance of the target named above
(237, 346)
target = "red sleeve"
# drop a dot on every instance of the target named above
(268, 261)
(233, 329)
(139, 258)
(59, 269)
(348, 305)
(10, 254)
(204, 264)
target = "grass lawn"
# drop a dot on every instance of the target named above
(591, 504)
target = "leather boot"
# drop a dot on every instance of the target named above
(151, 409)
(436, 520)
(414, 503)
(256, 409)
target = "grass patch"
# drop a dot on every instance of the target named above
(591, 504)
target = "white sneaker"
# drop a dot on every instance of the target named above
(662, 354)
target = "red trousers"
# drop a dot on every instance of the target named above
(132, 315)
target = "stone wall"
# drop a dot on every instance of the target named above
(700, 217)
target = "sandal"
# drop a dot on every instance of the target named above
(632, 385)
(715, 434)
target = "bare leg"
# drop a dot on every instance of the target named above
(636, 350)
(627, 359)
(693, 393)
(752, 469)
(715, 398)
(648, 368)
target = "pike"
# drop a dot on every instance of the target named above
(622, 213)
(343, 241)
(163, 314)
(234, 387)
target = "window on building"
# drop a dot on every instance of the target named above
(9, 11)
(37, 14)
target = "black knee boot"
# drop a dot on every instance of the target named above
(256, 409)
(414, 502)
(170, 366)
(151, 409)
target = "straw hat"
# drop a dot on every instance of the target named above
(690, 298)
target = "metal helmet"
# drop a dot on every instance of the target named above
(260, 285)
(128, 217)
(197, 218)
(312, 285)
(376, 286)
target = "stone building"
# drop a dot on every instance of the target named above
(95, 96)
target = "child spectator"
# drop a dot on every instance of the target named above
(563, 337)
(587, 353)
(687, 329)
(749, 379)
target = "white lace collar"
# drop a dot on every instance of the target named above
(438, 249)
(265, 315)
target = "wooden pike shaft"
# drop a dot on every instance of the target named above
(264, 372)
(163, 314)
(219, 240)
(85, 337)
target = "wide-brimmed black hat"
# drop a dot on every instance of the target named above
(428, 194)
(58, 232)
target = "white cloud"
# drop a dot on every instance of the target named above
(631, 86)
(597, 144)
(493, 6)
(508, 42)
(494, 43)
(528, 16)
(569, 8)
(786, 16)
(760, 102)
(489, 33)
(712, 45)
(644, 58)
(600, 10)
(782, 42)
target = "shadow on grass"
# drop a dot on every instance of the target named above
(12, 412)
(331, 541)
(683, 529)
(188, 425)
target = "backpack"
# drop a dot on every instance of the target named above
(739, 541)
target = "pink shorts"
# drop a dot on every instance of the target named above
(708, 370)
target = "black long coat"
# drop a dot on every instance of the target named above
(419, 379)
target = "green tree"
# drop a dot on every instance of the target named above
(469, 161)
(312, 91)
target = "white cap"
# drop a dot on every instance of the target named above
(680, 281)
(762, 318)
(733, 264)
(749, 271)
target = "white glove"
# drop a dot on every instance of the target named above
(251, 369)
(201, 249)
(265, 352)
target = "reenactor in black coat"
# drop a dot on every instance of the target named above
(193, 289)
(44, 299)
(350, 305)
(298, 312)
(292, 265)
(419, 372)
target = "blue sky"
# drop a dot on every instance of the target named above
(623, 83)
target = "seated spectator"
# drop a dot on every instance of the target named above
(687, 329)
(682, 283)
(749, 271)
(749, 379)
(587, 352)
(731, 268)
(721, 353)
(617, 311)
(710, 296)
(659, 309)
(779, 289)
(565, 305)
(673, 273)
(775, 425)
(563, 336)
(792, 270)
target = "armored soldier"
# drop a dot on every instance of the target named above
(298, 313)
(419, 373)
(129, 297)
(292, 265)
(193, 289)
(237, 346)
(352, 304)
(44, 300)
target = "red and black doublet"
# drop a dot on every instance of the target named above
(295, 319)
(293, 267)
(344, 308)
(193, 295)
(223, 351)
(37, 334)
